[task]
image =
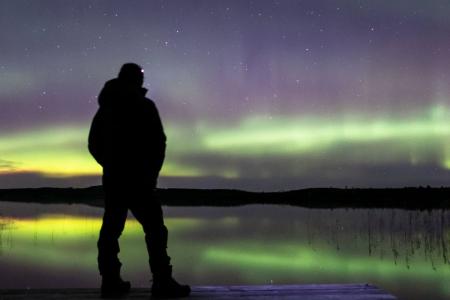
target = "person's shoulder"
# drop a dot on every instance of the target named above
(110, 84)
(108, 91)
(149, 102)
(150, 107)
(110, 87)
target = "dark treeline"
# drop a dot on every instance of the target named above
(405, 198)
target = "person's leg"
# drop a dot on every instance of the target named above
(149, 213)
(114, 218)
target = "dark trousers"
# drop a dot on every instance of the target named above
(137, 195)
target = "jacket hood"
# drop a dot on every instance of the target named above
(116, 91)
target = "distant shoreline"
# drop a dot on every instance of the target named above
(413, 198)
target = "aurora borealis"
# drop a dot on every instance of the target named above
(259, 95)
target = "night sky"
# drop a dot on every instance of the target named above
(255, 95)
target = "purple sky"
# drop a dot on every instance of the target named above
(261, 95)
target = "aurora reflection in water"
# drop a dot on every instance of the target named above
(404, 252)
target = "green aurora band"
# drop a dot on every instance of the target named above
(59, 151)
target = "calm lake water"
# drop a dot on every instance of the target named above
(403, 252)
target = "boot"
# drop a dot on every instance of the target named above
(114, 287)
(164, 286)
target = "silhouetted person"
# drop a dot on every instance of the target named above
(127, 139)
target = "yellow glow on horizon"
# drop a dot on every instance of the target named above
(54, 151)
(61, 151)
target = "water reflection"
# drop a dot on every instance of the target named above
(405, 252)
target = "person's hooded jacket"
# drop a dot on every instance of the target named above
(126, 136)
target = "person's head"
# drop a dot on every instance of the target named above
(132, 74)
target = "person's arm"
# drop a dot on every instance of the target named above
(160, 139)
(96, 140)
